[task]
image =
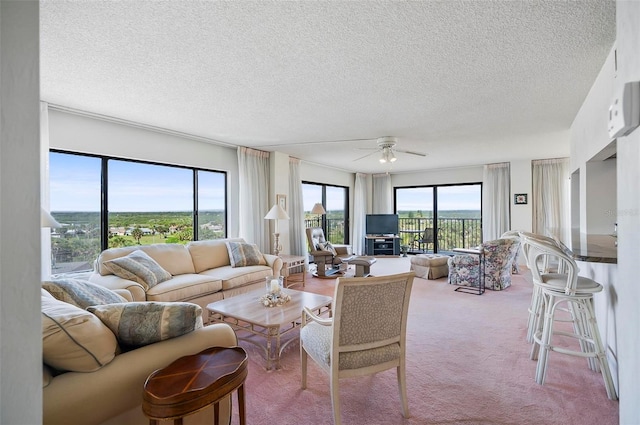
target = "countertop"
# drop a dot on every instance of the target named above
(594, 248)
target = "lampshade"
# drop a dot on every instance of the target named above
(318, 209)
(46, 220)
(277, 213)
(387, 155)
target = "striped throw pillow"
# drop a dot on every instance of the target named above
(244, 254)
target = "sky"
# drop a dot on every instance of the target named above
(133, 187)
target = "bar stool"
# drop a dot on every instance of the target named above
(577, 293)
(543, 267)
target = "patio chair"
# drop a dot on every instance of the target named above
(366, 335)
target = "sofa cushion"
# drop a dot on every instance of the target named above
(81, 293)
(244, 254)
(74, 339)
(140, 267)
(172, 257)
(185, 287)
(210, 254)
(239, 276)
(142, 323)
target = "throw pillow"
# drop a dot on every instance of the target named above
(139, 267)
(81, 293)
(326, 246)
(141, 323)
(244, 254)
(74, 339)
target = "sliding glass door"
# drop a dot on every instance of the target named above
(335, 200)
(439, 218)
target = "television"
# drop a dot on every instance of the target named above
(382, 224)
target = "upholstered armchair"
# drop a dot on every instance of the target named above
(497, 259)
(366, 335)
(324, 253)
(515, 234)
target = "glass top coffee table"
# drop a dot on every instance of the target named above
(260, 325)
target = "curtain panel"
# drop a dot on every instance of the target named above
(358, 229)
(382, 194)
(551, 193)
(253, 169)
(297, 237)
(496, 190)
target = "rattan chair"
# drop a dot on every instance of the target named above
(576, 292)
(366, 334)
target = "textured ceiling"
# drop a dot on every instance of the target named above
(467, 82)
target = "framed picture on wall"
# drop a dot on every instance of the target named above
(282, 201)
(520, 198)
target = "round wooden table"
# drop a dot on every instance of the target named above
(194, 382)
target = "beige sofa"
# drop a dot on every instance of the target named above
(112, 394)
(201, 272)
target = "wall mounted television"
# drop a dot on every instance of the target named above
(382, 224)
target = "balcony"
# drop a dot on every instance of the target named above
(451, 232)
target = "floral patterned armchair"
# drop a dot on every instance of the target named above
(499, 254)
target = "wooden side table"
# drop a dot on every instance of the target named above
(289, 263)
(194, 382)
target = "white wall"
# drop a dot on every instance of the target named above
(84, 134)
(601, 196)
(521, 182)
(588, 138)
(20, 325)
(628, 216)
(440, 176)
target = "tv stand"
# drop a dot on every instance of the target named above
(377, 245)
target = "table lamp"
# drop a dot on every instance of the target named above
(276, 213)
(318, 209)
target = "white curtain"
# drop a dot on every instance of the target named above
(382, 194)
(297, 237)
(551, 198)
(496, 190)
(359, 214)
(253, 169)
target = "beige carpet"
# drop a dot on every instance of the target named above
(467, 363)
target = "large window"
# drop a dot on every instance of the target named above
(335, 200)
(144, 203)
(440, 218)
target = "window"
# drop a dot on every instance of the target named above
(335, 200)
(146, 203)
(75, 204)
(452, 214)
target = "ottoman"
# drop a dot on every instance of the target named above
(430, 266)
(363, 265)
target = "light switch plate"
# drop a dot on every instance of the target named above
(624, 112)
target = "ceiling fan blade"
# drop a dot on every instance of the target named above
(411, 153)
(314, 142)
(363, 157)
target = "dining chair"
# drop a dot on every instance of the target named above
(366, 335)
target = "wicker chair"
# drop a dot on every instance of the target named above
(366, 334)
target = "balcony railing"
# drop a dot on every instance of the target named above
(335, 231)
(451, 232)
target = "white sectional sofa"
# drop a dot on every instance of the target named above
(201, 272)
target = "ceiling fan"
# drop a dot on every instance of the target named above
(386, 145)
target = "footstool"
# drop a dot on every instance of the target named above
(363, 265)
(430, 266)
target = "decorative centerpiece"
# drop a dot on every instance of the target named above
(275, 295)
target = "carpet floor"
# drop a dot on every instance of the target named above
(467, 363)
